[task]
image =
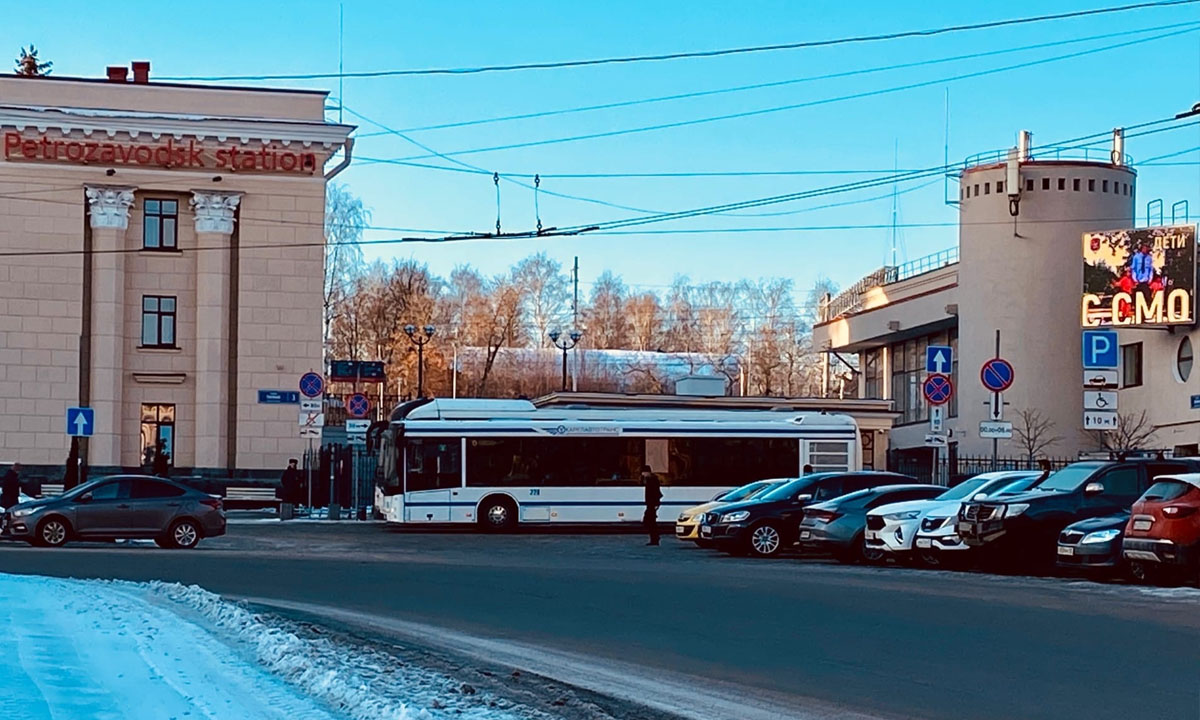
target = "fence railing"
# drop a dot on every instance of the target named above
(957, 469)
(341, 474)
(850, 300)
(1050, 152)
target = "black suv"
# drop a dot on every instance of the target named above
(1023, 529)
(770, 522)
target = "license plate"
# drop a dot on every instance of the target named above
(872, 535)
(680, 530)
(805, 534)
(965, 527)
(924, 542)
(1066, 550)
(1141, 524)
(706, 531)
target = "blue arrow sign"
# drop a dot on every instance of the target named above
(1099, 349)
(939, 359)
(81, 421)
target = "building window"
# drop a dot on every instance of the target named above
(1124, 188)
(1183, 360)
(908, 376)
(1131, 365)
(1062, 184)
(987, 188)
(1091, 185)
(872, 372)
(1075, 184)
(1029, 183)
(158, 321)
(1045, 183)
(999, 186)
(976, 189)
(160, 220)
(158, 433)
(1104, 186)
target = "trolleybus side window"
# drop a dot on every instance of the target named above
(554, 461)
(433, 463)
(829, 456)
(731, 461)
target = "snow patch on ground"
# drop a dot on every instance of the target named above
(126, 651)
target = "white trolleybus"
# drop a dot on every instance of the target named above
(503, 462)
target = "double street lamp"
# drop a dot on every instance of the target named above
(420, 341)
(568, 342)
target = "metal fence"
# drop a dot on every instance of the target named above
(342, 476)
(950, 471)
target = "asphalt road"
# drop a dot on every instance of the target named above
(885, 641)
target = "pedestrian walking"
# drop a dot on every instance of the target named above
(289, 484)
(1044, 466)
(10, 487)
(653, 500)
(161, 459)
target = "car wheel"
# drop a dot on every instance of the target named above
(855, 553)
(930, 559)
(52, 532)
(704, 543)
(1141, 572)
(498, 514)
(183, 535)
(765, 540)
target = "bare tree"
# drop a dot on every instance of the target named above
(29, 65)
(607, 326)
(498, 322)
(544, 290)
(345, 219)
(645, 315)
(1033, 432)
(771, 312)
(1133, 432)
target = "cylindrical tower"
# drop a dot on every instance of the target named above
(1021, 272)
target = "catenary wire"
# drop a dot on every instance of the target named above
(930, 32)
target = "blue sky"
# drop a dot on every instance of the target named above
(1057, 100)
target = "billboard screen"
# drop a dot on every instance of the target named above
(1145, 276)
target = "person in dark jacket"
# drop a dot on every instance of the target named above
(289, 490)
(10, 487)
(162, 461)
(653, 500)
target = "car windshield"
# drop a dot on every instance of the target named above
(789, 489)
(1070, 477)
(81, 489)
(963, 489)
(1166, 490)
(746, 492)
(1015, 486)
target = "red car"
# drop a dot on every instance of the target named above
(1163, 534)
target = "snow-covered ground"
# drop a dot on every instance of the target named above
(99, 650)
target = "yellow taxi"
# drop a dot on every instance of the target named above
(687, 525)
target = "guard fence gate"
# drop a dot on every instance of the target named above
(342, 476)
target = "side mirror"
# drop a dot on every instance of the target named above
(980, 497)
(1093, 488)
(804, 497)
(85, 498)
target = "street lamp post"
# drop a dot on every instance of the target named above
(568, 342)
(420, 341)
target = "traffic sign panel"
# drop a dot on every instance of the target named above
(311, 419)
(357, 427)
(81, 421)
(996, 374)
(310, 405)
(1099, 420)
(310, 433)
(995, 429)
(1100, 348)
(937, 389)
(357, 405)
(939, 359)
(936, 440)
(1099, 400)
(937, 418)
(1100, 378)
(312, 384)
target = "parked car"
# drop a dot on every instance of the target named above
(1093, 545)
(687, 525)
(769, 523)
(891, 529)
(120, 506)
(838, 526)
(1021, 531)
(936, 541)
(1163, 533)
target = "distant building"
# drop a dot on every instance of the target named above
(164, 264)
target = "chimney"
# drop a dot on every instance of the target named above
(116, 73)
(141, 72)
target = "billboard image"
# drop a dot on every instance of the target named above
(1145, 276)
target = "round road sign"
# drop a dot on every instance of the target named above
(357, 405)
(996, 374)
(937, 389)
(311, 384)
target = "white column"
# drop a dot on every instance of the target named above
(214, 214)
(108, 213)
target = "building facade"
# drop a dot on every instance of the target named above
(1015, 278)
(163, 263)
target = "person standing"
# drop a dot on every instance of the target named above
(289, 484)
(162, 461)
(10, 487)
(653, 500)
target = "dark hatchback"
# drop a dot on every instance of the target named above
(120, 506)
(1093, 545)
(769, 523)
(1022, 531)
(838, 526)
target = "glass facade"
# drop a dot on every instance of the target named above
(908, 373)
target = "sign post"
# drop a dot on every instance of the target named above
(937, 389)
(311, 386)
(997, 375)
(1101, 357)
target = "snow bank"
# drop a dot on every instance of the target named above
(122, 650)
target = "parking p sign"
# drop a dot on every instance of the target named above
(1099, 349)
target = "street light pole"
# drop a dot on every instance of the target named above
(568, 342)
(420, 341)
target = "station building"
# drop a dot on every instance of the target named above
(162, 263)
(1016, 274)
